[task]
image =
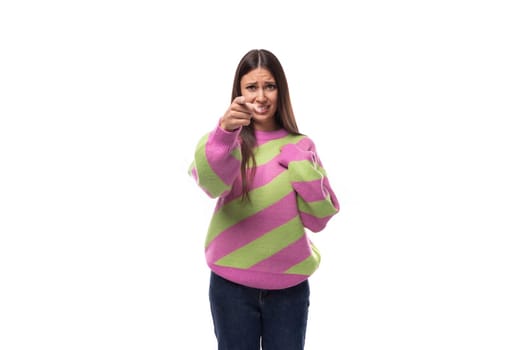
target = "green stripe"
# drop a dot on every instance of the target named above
(319, 209)
(265, 246)
(208, 179)
(271, 149)
(236, 153)
(302, 170)
(305, 267)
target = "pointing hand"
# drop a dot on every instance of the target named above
(238, 114)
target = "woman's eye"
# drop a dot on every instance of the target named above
(251, 88)
(271, 87)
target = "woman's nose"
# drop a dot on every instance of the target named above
(260, 95)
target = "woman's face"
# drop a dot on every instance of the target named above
(258, 87)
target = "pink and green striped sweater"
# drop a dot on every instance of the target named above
(263, 243)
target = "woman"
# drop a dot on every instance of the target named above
(271, 187)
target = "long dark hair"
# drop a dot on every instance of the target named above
(285, 118)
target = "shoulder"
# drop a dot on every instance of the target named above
(304, 142)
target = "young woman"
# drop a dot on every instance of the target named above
(271, 188)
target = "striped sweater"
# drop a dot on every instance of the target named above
(262, 243)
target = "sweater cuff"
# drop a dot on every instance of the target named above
(224, 137)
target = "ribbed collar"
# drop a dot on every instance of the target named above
(263, 136)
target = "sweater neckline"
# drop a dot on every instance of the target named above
(262, 135)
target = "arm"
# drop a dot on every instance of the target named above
(217, 158)
(216, 161)
(316, 200)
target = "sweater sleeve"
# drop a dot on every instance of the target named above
(216, 161)
(316, 200)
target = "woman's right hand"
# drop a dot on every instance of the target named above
(238, 114)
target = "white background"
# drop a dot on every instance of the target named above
(416, 108)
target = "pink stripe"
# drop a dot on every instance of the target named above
(306, 144)
(268, 172)
(314, 224)
(226, 169)
(218, 150)
(285, 258)
(252, 228)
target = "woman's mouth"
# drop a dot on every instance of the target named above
(261, 109)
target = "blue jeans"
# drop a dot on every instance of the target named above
(247, 318)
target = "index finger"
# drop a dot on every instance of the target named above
(240, 100)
